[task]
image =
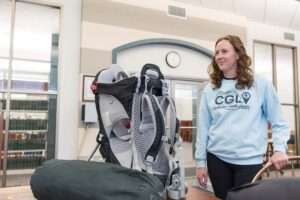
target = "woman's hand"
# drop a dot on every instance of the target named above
(201, 174)
(279, 159)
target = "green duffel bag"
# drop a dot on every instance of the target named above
(82, 180)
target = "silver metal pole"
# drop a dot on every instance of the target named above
(12, 30)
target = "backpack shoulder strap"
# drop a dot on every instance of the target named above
(168, 102)
(151, 104)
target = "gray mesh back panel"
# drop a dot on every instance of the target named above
(114, 118)
(144, 134)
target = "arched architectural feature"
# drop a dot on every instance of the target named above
(160, 41)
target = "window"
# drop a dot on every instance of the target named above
(277, 64)
(5, 14)
(186, 95)
(28, 88)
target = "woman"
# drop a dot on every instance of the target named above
(235, 110)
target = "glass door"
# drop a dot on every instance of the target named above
(187, 98)
(5, 39)
(2, 131)
(285, 84)
(29, 35)
(278, 64)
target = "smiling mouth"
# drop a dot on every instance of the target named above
(221, 61)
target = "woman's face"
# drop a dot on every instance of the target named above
(226, 57)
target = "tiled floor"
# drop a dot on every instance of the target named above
(17, 180)
(24, 192)
(187, 154)
(16, 193)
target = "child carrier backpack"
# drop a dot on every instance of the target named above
(133, 113)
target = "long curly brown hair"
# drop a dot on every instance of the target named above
(244, 72)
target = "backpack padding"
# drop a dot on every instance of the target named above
(166, 103)
(160, 126)
(122, 90)
(105, 148)
(152, 67)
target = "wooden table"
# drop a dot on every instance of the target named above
(198, 194)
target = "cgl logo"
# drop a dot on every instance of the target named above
(232, 97)
(246, 96)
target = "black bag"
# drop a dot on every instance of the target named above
(269, 189)
(81, 180)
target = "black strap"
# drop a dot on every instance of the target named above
(102, 137)
(160, 130)
(153, 84)
(122, 90)
(102, 131)
(152, 67)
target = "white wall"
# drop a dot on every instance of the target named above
(193, 64)
(271, 34)
(107, 37)
(68, 77)
(69, 80)
(275, 35)
(192, 11)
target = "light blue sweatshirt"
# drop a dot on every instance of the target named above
(233, 123)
